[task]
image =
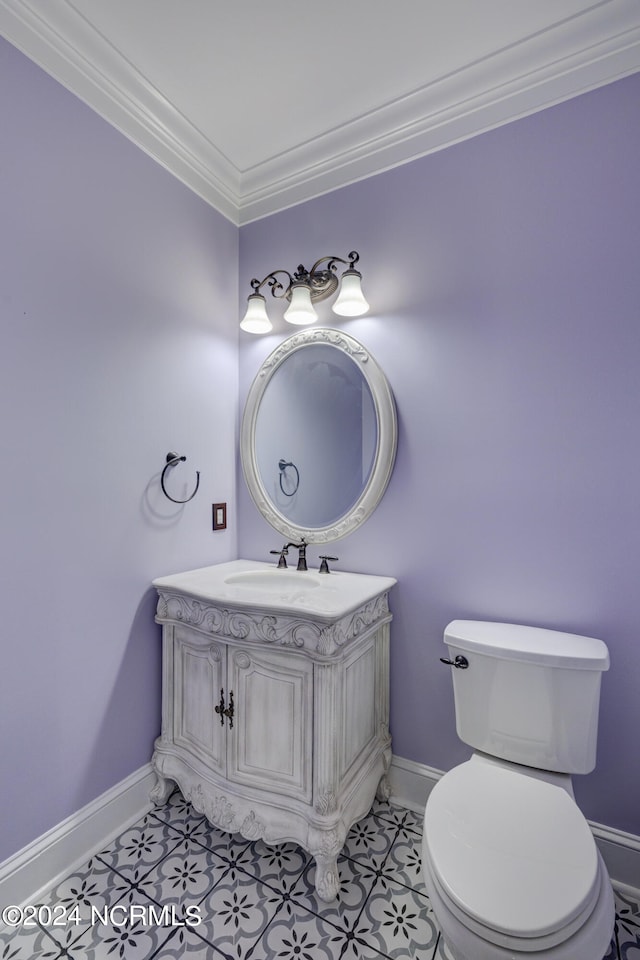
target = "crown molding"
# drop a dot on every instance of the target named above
(61, 41)
(588, 51)
(595, 47)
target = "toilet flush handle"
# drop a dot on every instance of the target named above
(460, 662)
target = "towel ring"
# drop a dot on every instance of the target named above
(172, 459)
(283, 464)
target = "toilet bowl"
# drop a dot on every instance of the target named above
(511, 867)
(509, 862)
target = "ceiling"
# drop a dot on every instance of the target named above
(260, 104)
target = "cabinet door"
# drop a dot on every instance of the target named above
(270, 745)
(199, 676)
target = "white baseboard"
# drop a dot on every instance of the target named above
(38, 867)
(621, 853)
(411, 784)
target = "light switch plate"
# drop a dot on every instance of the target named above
(219, 516)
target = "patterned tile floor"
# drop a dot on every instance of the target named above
(142, 896)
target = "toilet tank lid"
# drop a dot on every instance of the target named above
(538, 645)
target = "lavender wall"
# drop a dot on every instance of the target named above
(503, 275)
(118, 304)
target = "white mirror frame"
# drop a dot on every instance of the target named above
(386, 440)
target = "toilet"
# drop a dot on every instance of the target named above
(509, 861)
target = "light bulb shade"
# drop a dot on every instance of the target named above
(256, 319)
(351, 301)
(301, 310)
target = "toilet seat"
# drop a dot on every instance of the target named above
(467, 940)
(568, 942)
(511, 853)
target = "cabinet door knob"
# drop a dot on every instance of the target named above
(229, 711)
(223, 711)
(219, 708)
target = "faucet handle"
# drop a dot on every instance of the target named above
(324, 566)
(282, 563)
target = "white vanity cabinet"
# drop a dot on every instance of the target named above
(245, 713)
(275, 703)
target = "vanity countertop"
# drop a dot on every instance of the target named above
(253, 584)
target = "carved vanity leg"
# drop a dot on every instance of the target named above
(384, 789)
(162, 790)
(324, 847)
(327, 880)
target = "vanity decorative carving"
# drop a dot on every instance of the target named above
(264, 628)
(275, 723)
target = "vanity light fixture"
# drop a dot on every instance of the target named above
(303, 288)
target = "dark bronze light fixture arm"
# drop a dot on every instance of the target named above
(303, 289)
(277, 289)
(322, 282)
(352, 259)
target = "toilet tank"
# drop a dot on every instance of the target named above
(529, 695)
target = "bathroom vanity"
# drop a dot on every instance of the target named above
(275, 702)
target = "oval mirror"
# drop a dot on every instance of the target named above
(318, 436)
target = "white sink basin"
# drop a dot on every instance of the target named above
(256, 585)
(282, 581)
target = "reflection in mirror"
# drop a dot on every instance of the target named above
(318, 436)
